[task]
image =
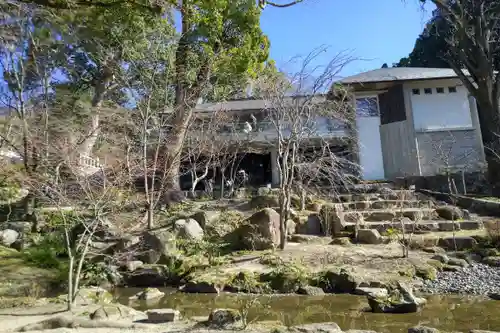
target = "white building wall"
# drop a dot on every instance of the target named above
(447, 134)
(439, 105)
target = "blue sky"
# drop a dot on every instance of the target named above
(375, 32)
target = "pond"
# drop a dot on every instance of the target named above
(447, 313)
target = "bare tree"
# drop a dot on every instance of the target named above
(296, 122)
(203, 145)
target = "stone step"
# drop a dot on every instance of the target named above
(395, 195)
(422, 226)
(414, 214)
(387, 204)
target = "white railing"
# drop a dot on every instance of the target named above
(89, 162)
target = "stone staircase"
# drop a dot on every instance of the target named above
(394, 209)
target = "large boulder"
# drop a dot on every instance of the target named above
(264, 201)
(153, 276)
(461, 242)
(189, 229)
(399, 300)
(205, 218)
(313, 225)
(261, 231)
(224, 318)
(451, 213)
(332, 219)
(340, 281)
(147, 294)
(8, 237)
(157, 245)
(369, 236)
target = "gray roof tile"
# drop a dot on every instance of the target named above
(399, 74)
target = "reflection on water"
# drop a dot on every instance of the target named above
(448, 313)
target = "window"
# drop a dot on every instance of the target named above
(367, 107)
(452, 89)
(427, 91)
(415, 91)
(440, 90)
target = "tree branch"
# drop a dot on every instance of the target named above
(90, 3)
(263, 3)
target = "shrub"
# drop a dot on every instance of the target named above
(47, 252)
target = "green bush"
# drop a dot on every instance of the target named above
(9, 193)
(47, 253)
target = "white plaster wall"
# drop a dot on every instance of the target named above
(440, 111)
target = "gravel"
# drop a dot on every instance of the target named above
(477, 279)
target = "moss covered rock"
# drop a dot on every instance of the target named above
(426, 272)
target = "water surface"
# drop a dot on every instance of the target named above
(447, 313)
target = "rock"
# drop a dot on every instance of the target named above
(462, 242)
(147, 294)
(375, 292)
(426, 272)
(133, 265)
(155, 276)
(344, 241)
(458, 262)
(400, 300)
(91, 295)
(332, 219)
(313, 225)
(205, 218)
(354, 217)
(163, 315)
(369, 236)
(298, 238)
(492, 261)
(449, 268)
(200, 288)
(290, 227)
(111, 312)
(381, 216)
(388, 194)
(21, 227)
(317, 328)
(414, 215)
(359, 331)
(466, 214)
(264, 201)
(224, 318)
(434, 249)
(310, 290)
(8, 237)
(157, 245)
(495, 296)
(261, 231)
(451, 213)
(422, 329)
(441, 257)
(341, 282)
(189, 229)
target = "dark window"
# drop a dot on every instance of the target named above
(416, 91)
(367, 107)
(427, 91)
(440, 90)
(452, 89)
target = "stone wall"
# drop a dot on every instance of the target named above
(475, 182)
(475, 205)
(440, 150)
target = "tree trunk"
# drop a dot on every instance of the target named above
(100, 90)
(489, 119)
(150, 218)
